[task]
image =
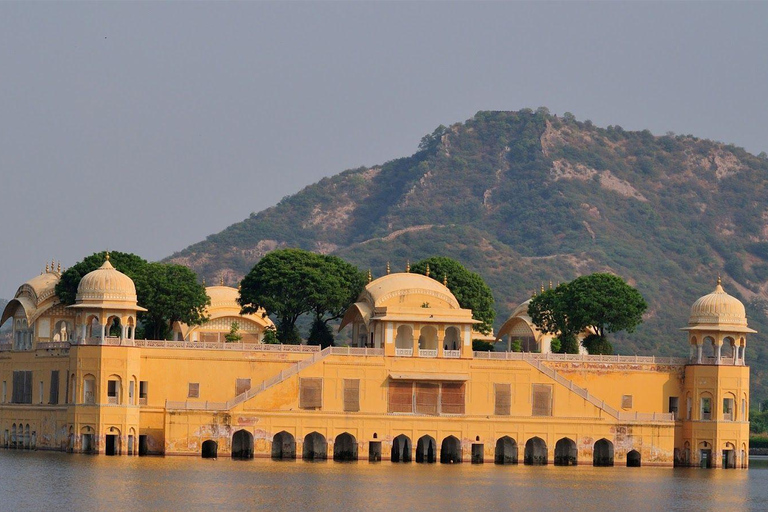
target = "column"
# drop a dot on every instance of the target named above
(719, 351)
(698, 354)
(103, 333)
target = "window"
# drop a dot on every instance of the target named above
(89, 390)
(542, 400)
(5, 391)
(242, 385)
(22, 387)
(40, 393)
(706, 408)
(400, 396)
(426, 396)
(194, 390)
(131, 392)
(743, 405)
(673, 404)
(53, 397)
(689, 407)
(311, 393)
(351, 395)
(452, 398)
(503, 403)
(143, 391)
(113, 391)
(626, 401)
(728, 409)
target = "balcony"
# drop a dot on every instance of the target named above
(455, 354)
(427, 352)
(404, 352)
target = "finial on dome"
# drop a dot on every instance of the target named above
(445, 279)
(542, 287)
(407, 265)
(719, 281)
(370, 278)
(47, 269)
(427, 269)
(221, 280)
(58, 268)
(203, 282)
(388, 270)
(107, 255)
(550, 284)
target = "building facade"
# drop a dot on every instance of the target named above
(76, 379)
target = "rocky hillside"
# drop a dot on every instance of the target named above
(526, 198)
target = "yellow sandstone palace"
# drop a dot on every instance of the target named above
(411, 389)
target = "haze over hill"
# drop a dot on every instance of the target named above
(526, 198)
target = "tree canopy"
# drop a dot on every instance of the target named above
(468, 288)
(169, 292)
(600, 303)
(289, 283)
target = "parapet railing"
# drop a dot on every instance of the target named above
(585, 358)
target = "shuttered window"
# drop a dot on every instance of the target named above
(22, 387)
(426, 398)
(503, 402)
(452, 398)
(194, 390)
(626, 401)
(242, 385)
(54, 395)
(351, 395)
(311, 393)
(542, 400)
(400, 396)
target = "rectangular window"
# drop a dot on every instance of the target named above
(728, 409)
(40, 392)
(143, 392)
(112, 392)
(542, 400)
(242, 385)
(689, 407)
(5, 391)
(89, 389)
(503, 405)
(311, 393)
(743, 405)
(53, 397)
(626, 401)
(426, 397)
(194, 390)
(400, 396)
(351, 395)
(706, 408)
(131, 392)
(22, 387)
(452, 398)
(673, 405)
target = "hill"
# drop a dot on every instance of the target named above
(526, 198)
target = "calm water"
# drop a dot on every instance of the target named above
(32, 481)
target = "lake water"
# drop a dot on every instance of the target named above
(31, 481)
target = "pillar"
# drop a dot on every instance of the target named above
(719, 352)
(698, 354)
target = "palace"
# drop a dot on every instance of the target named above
(74, 378)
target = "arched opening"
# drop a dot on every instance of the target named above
(210, 449)
(521, 337)
(87, 440)
(450, 451)
(93, 327)
(428, 338)
(13, 436)
(114, 389)
(345, 448)
(633, 459)
(130, 328)
(114, 327)
(131, 441)
(705, 406)
(705, 454)
(535, 452)
(89, 389)
(566, 453)
(506, 451)
(112, 442)
(709, 343)
(242, 445)
(404, 340)
(728, 351)
(63, 331)
(283, 446)
(602, 453)
(315, 447)
(452, 339)
(401, 449)
(426, 450)
(729, 456)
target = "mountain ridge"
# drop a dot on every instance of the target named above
(525, 198)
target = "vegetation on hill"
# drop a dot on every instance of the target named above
(526, 197)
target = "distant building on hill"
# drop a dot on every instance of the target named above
(76, 379)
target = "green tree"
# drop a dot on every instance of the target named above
(270, 335)
(468, 288)
(516, 345)
(604, 303)
(320, 334)
(482, 346)
(233, 335)
(549, 313)
(171, 294)
(289, 283)
(597, 345)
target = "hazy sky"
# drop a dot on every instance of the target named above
(145, 127)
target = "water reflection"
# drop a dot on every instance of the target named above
(37, 481)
